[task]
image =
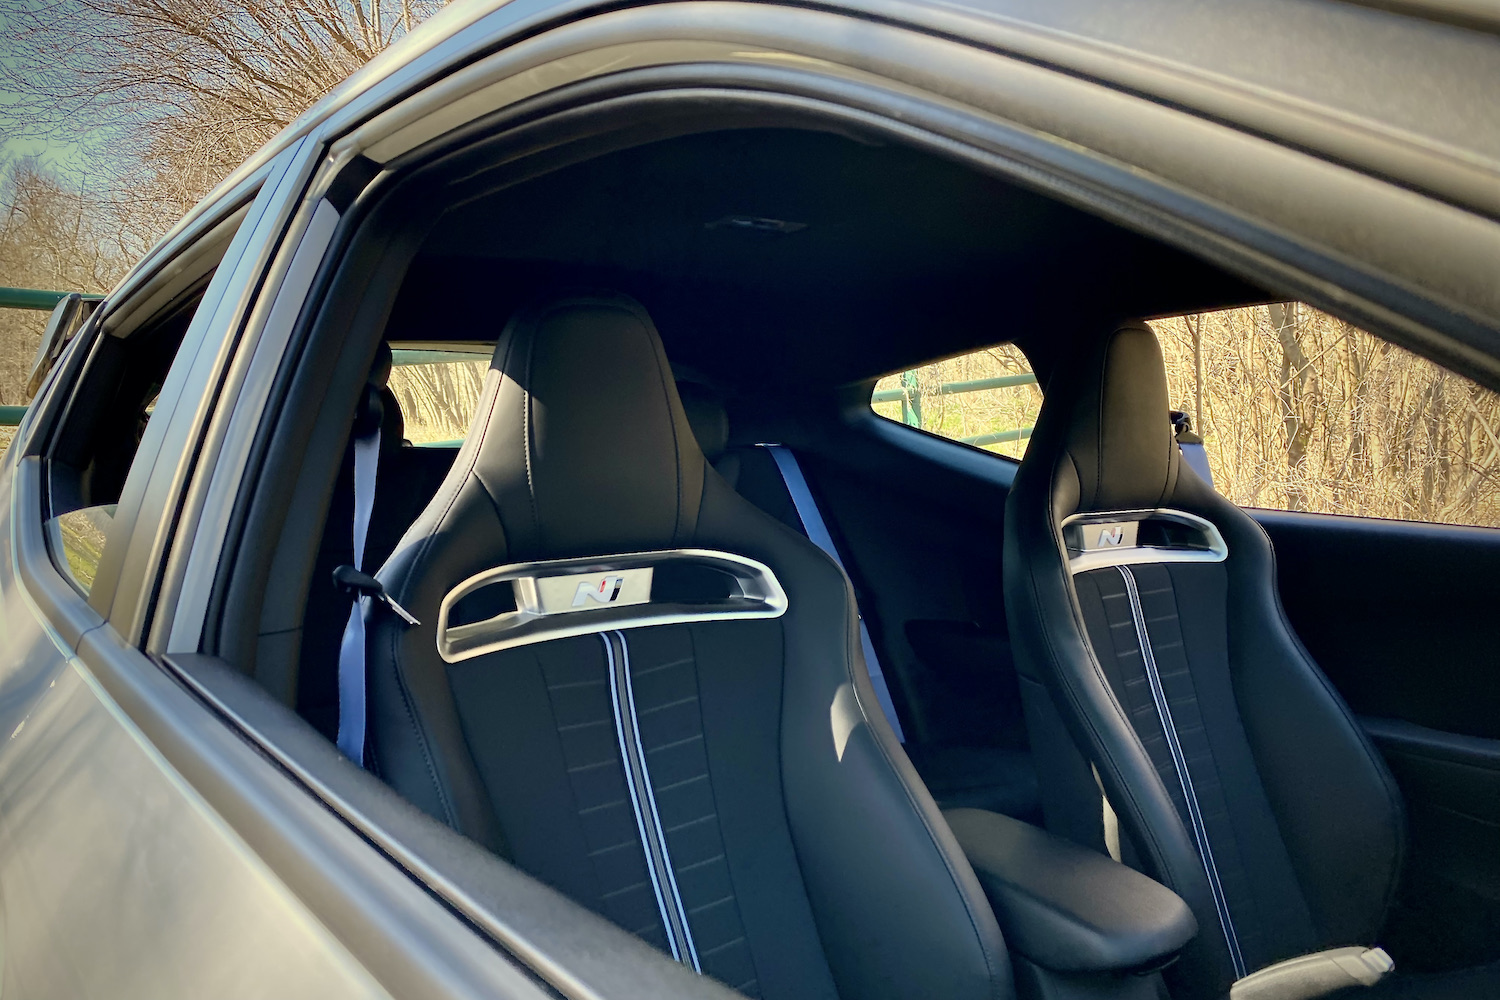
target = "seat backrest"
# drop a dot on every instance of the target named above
(712, 782)
(1157, 663)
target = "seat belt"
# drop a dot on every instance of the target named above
(817, 532)
(352, 647)
(1191, 446)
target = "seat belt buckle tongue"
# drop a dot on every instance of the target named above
(358, 584)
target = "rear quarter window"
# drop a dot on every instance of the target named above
(438, 391)
(988, 399)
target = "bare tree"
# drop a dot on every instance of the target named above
(170, 95)
(164, 97)
(49, 238)
(1304, 412)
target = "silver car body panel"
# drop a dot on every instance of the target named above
(189, 574)
(147, 849)
(116, 879)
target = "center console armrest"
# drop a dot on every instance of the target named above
(1068, 909)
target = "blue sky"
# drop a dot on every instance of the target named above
(17, 136)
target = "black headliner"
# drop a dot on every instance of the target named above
(905, 257)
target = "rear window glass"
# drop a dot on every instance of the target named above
(438, 391)
(988, 399)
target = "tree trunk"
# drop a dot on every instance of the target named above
(1290, 393)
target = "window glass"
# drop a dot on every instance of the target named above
(988, 399)
(79, 536)
(438, 391)
(91, 455)
(1301, 411)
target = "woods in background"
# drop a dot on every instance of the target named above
(50, 237)
(161, 99)
(1298, 410)
(1302, 411)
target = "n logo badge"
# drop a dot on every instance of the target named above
(580, 592)
(1113, 534)
(606, 591)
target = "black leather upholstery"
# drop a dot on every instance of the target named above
(810, 859)
(1067, 908)
(1304, 822)
(995, 778)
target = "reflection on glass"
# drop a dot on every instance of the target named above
(78, 538)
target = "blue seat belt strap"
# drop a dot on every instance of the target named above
(351, 739)
(1196, 456)
(817, 533)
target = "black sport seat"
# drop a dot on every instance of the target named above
(715, 786)
(1149, 634)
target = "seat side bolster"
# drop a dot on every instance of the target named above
(1335, 801)
(855, 802)
(417, 744)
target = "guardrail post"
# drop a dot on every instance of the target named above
(911, 400)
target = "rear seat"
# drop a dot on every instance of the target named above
(980, 777)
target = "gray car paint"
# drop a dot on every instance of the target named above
(126, 868)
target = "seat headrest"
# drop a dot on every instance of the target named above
(379, 404)
(584, 446)
(708, 418)
(1117, 432)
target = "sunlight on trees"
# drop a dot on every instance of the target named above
(1302, 411)
(49, 238)
(165, 98)
(169, 96)
(1298, 411)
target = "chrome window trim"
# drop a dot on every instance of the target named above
(176, 432)
(760, 596)
(1136, 555)
(254, 370)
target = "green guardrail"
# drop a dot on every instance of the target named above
(950, 388)
(40, 300)
(35, 298)
(910, 396)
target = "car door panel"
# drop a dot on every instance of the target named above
(114, 879)
(117, 877)
(128, 885)
(919, 520)
(1400, 617)
(1399, 614)
(1450, 912)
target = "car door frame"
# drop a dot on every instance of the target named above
(271, 812)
